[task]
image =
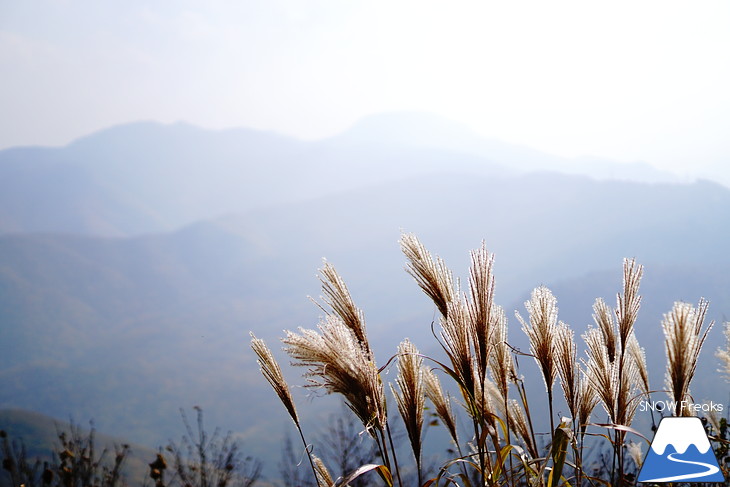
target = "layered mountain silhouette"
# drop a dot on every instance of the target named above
(147, 177)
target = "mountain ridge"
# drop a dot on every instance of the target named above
(146, 177)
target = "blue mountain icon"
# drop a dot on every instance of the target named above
(680, 452)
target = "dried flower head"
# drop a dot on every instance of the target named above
(683, 339)
(323, 475)
(456, 340)
(272, 372)
(603, 318)
(601, 373)
(543, 315)
(587, 401)
(433, 277)
(628, 303)
(637, 354)
(501, 361)
(441, 403)
(337, 296)
(566, 362)
(339, 364)
(410, 396)
(481, 306)
(518, 423)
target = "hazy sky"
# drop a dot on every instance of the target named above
(626, 80)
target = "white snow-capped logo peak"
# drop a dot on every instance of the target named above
(680, 434)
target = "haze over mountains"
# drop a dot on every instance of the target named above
(147, 177)
(134, 262)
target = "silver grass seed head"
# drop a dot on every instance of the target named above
(486, 393)
(518, 422)
(603, 318)
(433, 277)
(456, 340)
(320, 470)
(338, 298)
(628, 303)
(410, 396)
(543, 315)
(638, 355)
(481, 304)
(337, 363)
(501, 362)
(587, 401)
(441, 403)
(628, 395)
(272, 372)
(684, 337)
(601, 374)
(566, 362)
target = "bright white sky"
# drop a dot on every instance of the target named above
(625, 80)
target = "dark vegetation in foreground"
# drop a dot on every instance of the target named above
(199, 459)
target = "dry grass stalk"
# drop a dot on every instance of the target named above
(616, 369)
(411, 397)
(639, 357)
(724, 353)
(629, 385)
(323, 476)
(567, 364)
(481, 305)
(603, 317)
(684, 338)
(455, 334)
(486, 394)
(616, 366)
(339, 364)
(501, 361)
(627, 310)
(272, 372)
(337, 296)
(628, 303)
(543, 315)
(600, 371)
(519, 424)
(587, 401)
(433, 277)
(615, 386)
(441, 403)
